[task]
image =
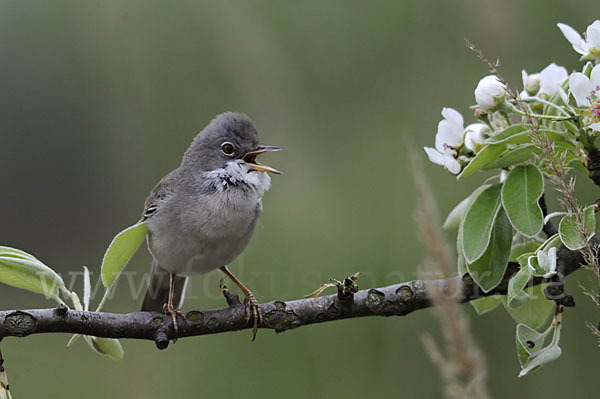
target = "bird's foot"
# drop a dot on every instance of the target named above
(168, 309)
(253, 310)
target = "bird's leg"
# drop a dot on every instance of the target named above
(169, 309)
(250, 302)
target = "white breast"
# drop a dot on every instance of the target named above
(204, 232)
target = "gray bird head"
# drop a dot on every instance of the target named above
(229, 136)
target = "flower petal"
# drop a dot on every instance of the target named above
(593, 35)
(552, 77)
(580, 86)
(453, 116)
(595, 126)
(574, 38)
(595, 77)
(474, 138)
(452, 165)
(435, 156)
(448, 135)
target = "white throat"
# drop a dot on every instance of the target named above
(237, 174)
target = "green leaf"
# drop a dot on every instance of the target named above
(515, 296)
(507, 134)
(488, 270)
(535, 311)
(456, 214)
(529, 341)
(486, 304)
(570, 233)
(545, 355)
(16, 253)
(478, 222)
(110, 347)
(524, 247)
(22, 270)
(551, 242)
(513, 156)
(486, 155)
(120, 250)
(522, 137)
(521, 192)
(541, 358)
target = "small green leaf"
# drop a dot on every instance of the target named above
(14, 252)
(486, 304)
(529, 341)
(524, 247)
(489, 269)
(570, 232)
(551, 242)
(456, 214)
(515, 296)
(541, 358)
(19, 269)
(513, 156)
(521, 192)
(110, 347)
(507, 134)
(523, 137)
(535, 311)
(486, 155)
(478, 222)
(120, 250)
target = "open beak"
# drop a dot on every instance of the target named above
(250, 159)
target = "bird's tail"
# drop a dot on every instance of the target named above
(157, 293)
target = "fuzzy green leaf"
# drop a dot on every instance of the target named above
(456, 214)
(478, 222)
(529, 341)
(570, 232)
(513, 156)
(120, 251)
(22, 270)
(507, 134)
(486, 155)
(535, 311)
(541, 358)
(521, 192)
(488, 270)
(486, 304)
(515, 296)
(110, 347)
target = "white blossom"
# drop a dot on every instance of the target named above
(584, 88)
(448, 137)
(475, 136)
(489, 93)
(589, 48)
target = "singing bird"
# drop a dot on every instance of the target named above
(201, 216)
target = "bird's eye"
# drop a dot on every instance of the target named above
(227, 148)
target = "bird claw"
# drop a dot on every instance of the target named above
(170, 310)
(252, 308)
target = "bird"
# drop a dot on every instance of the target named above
(201, 216)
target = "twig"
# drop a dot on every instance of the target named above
(394, 300)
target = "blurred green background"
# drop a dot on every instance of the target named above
(99, 100)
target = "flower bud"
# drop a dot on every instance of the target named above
(490, 93)
(531, 83)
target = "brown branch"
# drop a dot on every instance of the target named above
(394, 300)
